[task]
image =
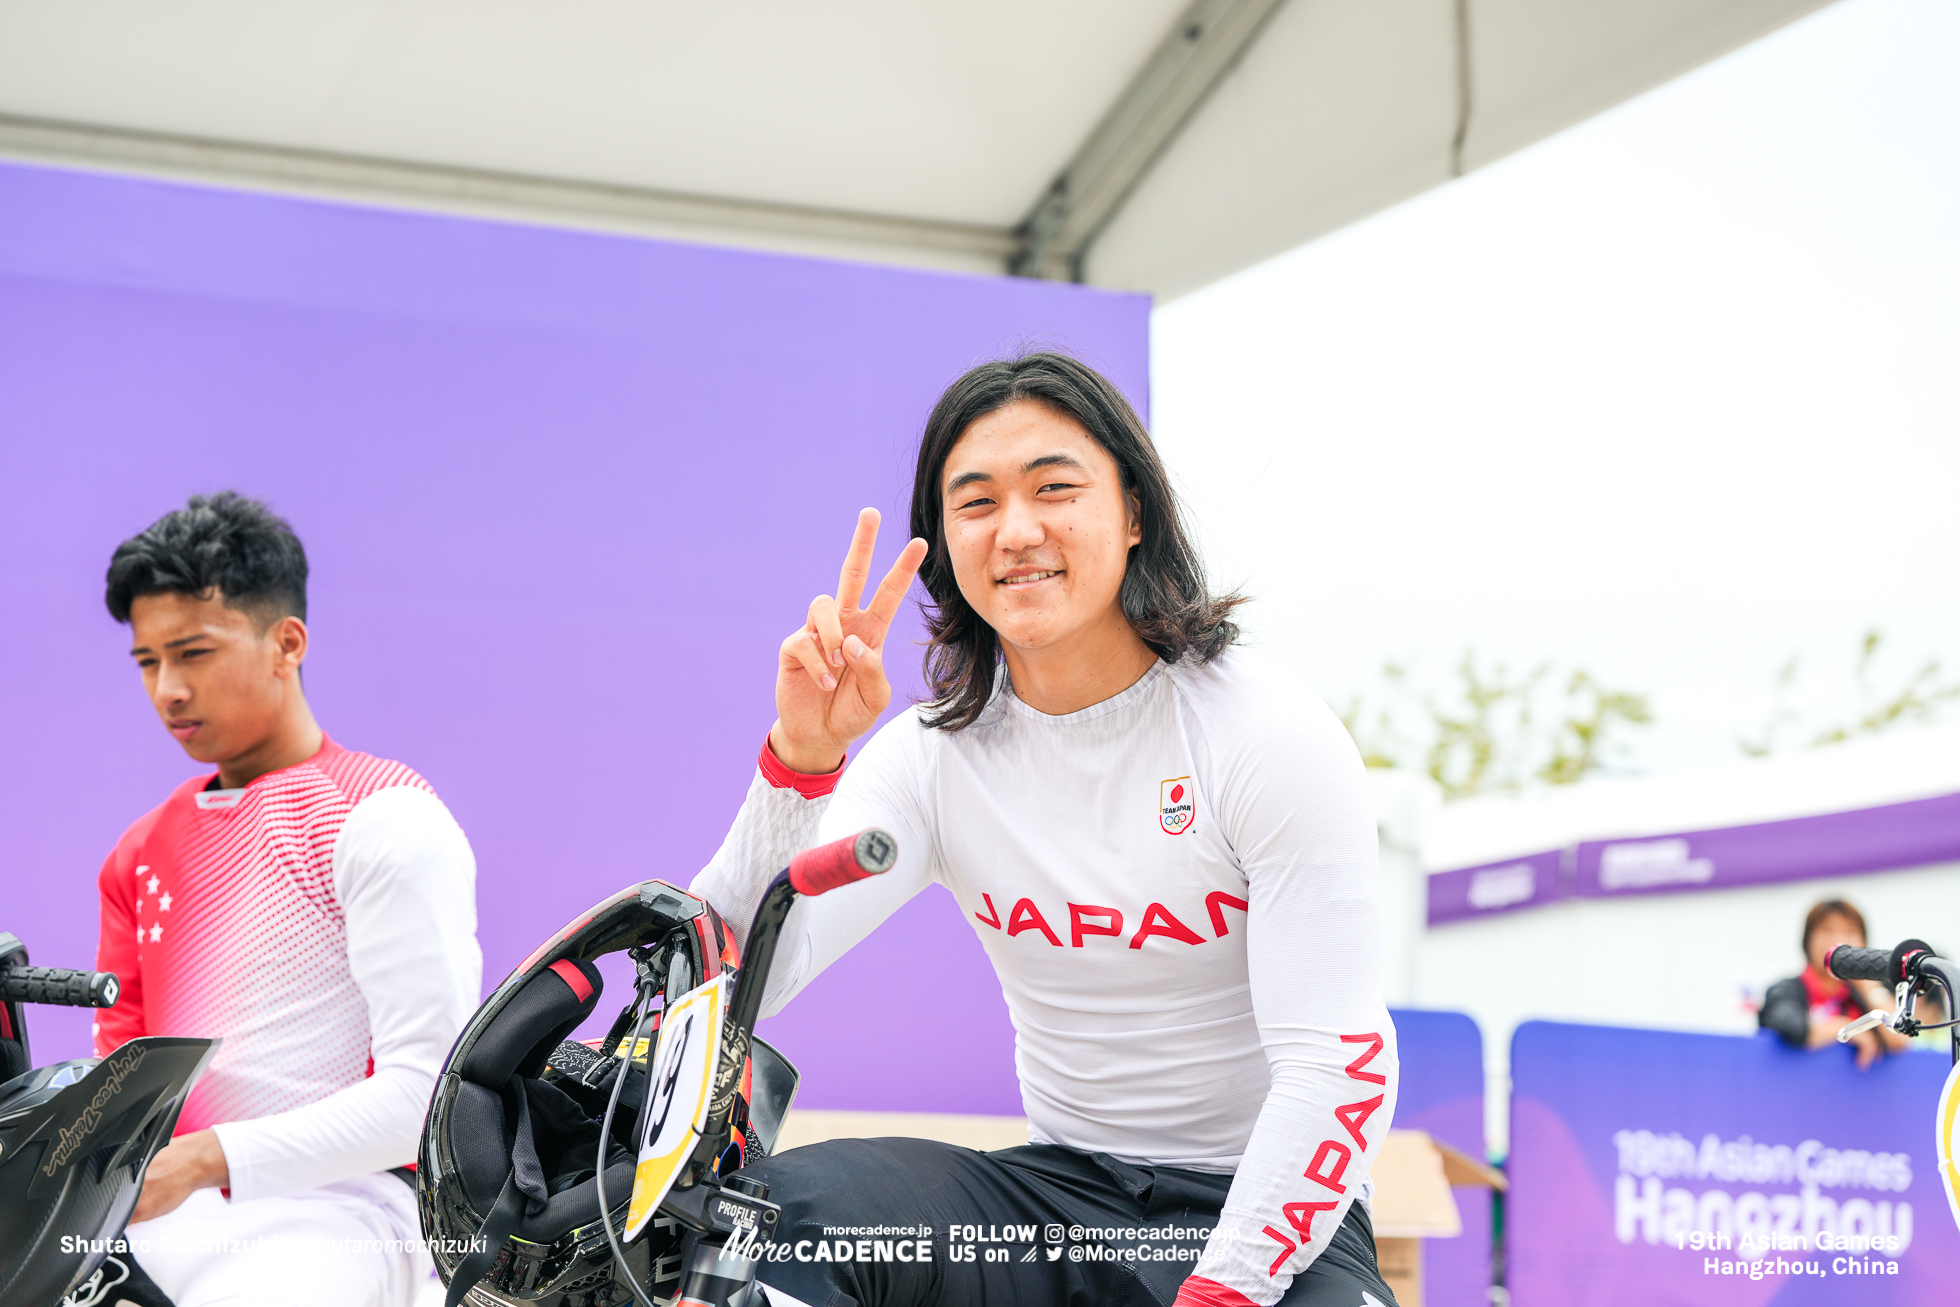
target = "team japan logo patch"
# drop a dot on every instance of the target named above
(1176, 805)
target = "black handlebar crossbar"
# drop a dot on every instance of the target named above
(857, 857)
(868, 853)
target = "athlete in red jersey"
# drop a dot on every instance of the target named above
(312, 906)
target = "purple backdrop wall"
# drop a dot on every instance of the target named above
(563, 493)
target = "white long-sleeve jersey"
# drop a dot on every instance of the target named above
(322, 920)
(1177, 888)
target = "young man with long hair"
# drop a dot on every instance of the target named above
(313, 907)
(1166, 847)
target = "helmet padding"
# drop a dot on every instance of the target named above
(546, 1135)
(535, 1021)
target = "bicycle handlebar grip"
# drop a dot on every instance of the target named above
(1847, 962)
(1902, 954)
(870, 852)
(60, 987)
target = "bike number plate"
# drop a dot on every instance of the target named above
(1948, 1129)
(681, 1080)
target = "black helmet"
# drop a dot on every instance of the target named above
(76, 1137)
(516, 1115)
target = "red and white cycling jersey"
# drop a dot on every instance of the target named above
(1177, 889)
(321, 921)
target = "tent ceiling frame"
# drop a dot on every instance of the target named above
(1522, 69)
(1200, 48)
(1203, 45)
(445, 186)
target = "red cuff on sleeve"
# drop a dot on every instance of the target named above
(1200, 1292)
(780, 776)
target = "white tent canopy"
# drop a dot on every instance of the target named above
(1144, 144)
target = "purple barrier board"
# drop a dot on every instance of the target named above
(1494, 887)
(1895, 835)
(563, 494)
(1442, 1094)
(1803, 848)
(1654, 1169)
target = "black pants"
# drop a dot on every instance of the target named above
(913, 1223)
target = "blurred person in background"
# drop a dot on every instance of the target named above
(313, 907)
(1809, 1009)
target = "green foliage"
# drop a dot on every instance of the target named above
(1493, 731)
(1581, 735)
(1920, 698)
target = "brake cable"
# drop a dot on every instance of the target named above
(645, 988)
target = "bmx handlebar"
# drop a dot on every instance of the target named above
(59, 986)
(870, 852)
(814, 871)
(1889, 968)
(1850, 963)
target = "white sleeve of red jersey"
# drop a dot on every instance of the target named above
(778, 821)
(774, 824)
(1294, 798)
(405, 878)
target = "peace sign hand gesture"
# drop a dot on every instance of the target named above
(830, 674)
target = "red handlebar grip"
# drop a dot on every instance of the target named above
(867, 853)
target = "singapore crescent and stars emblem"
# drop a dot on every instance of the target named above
(1175, 805)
